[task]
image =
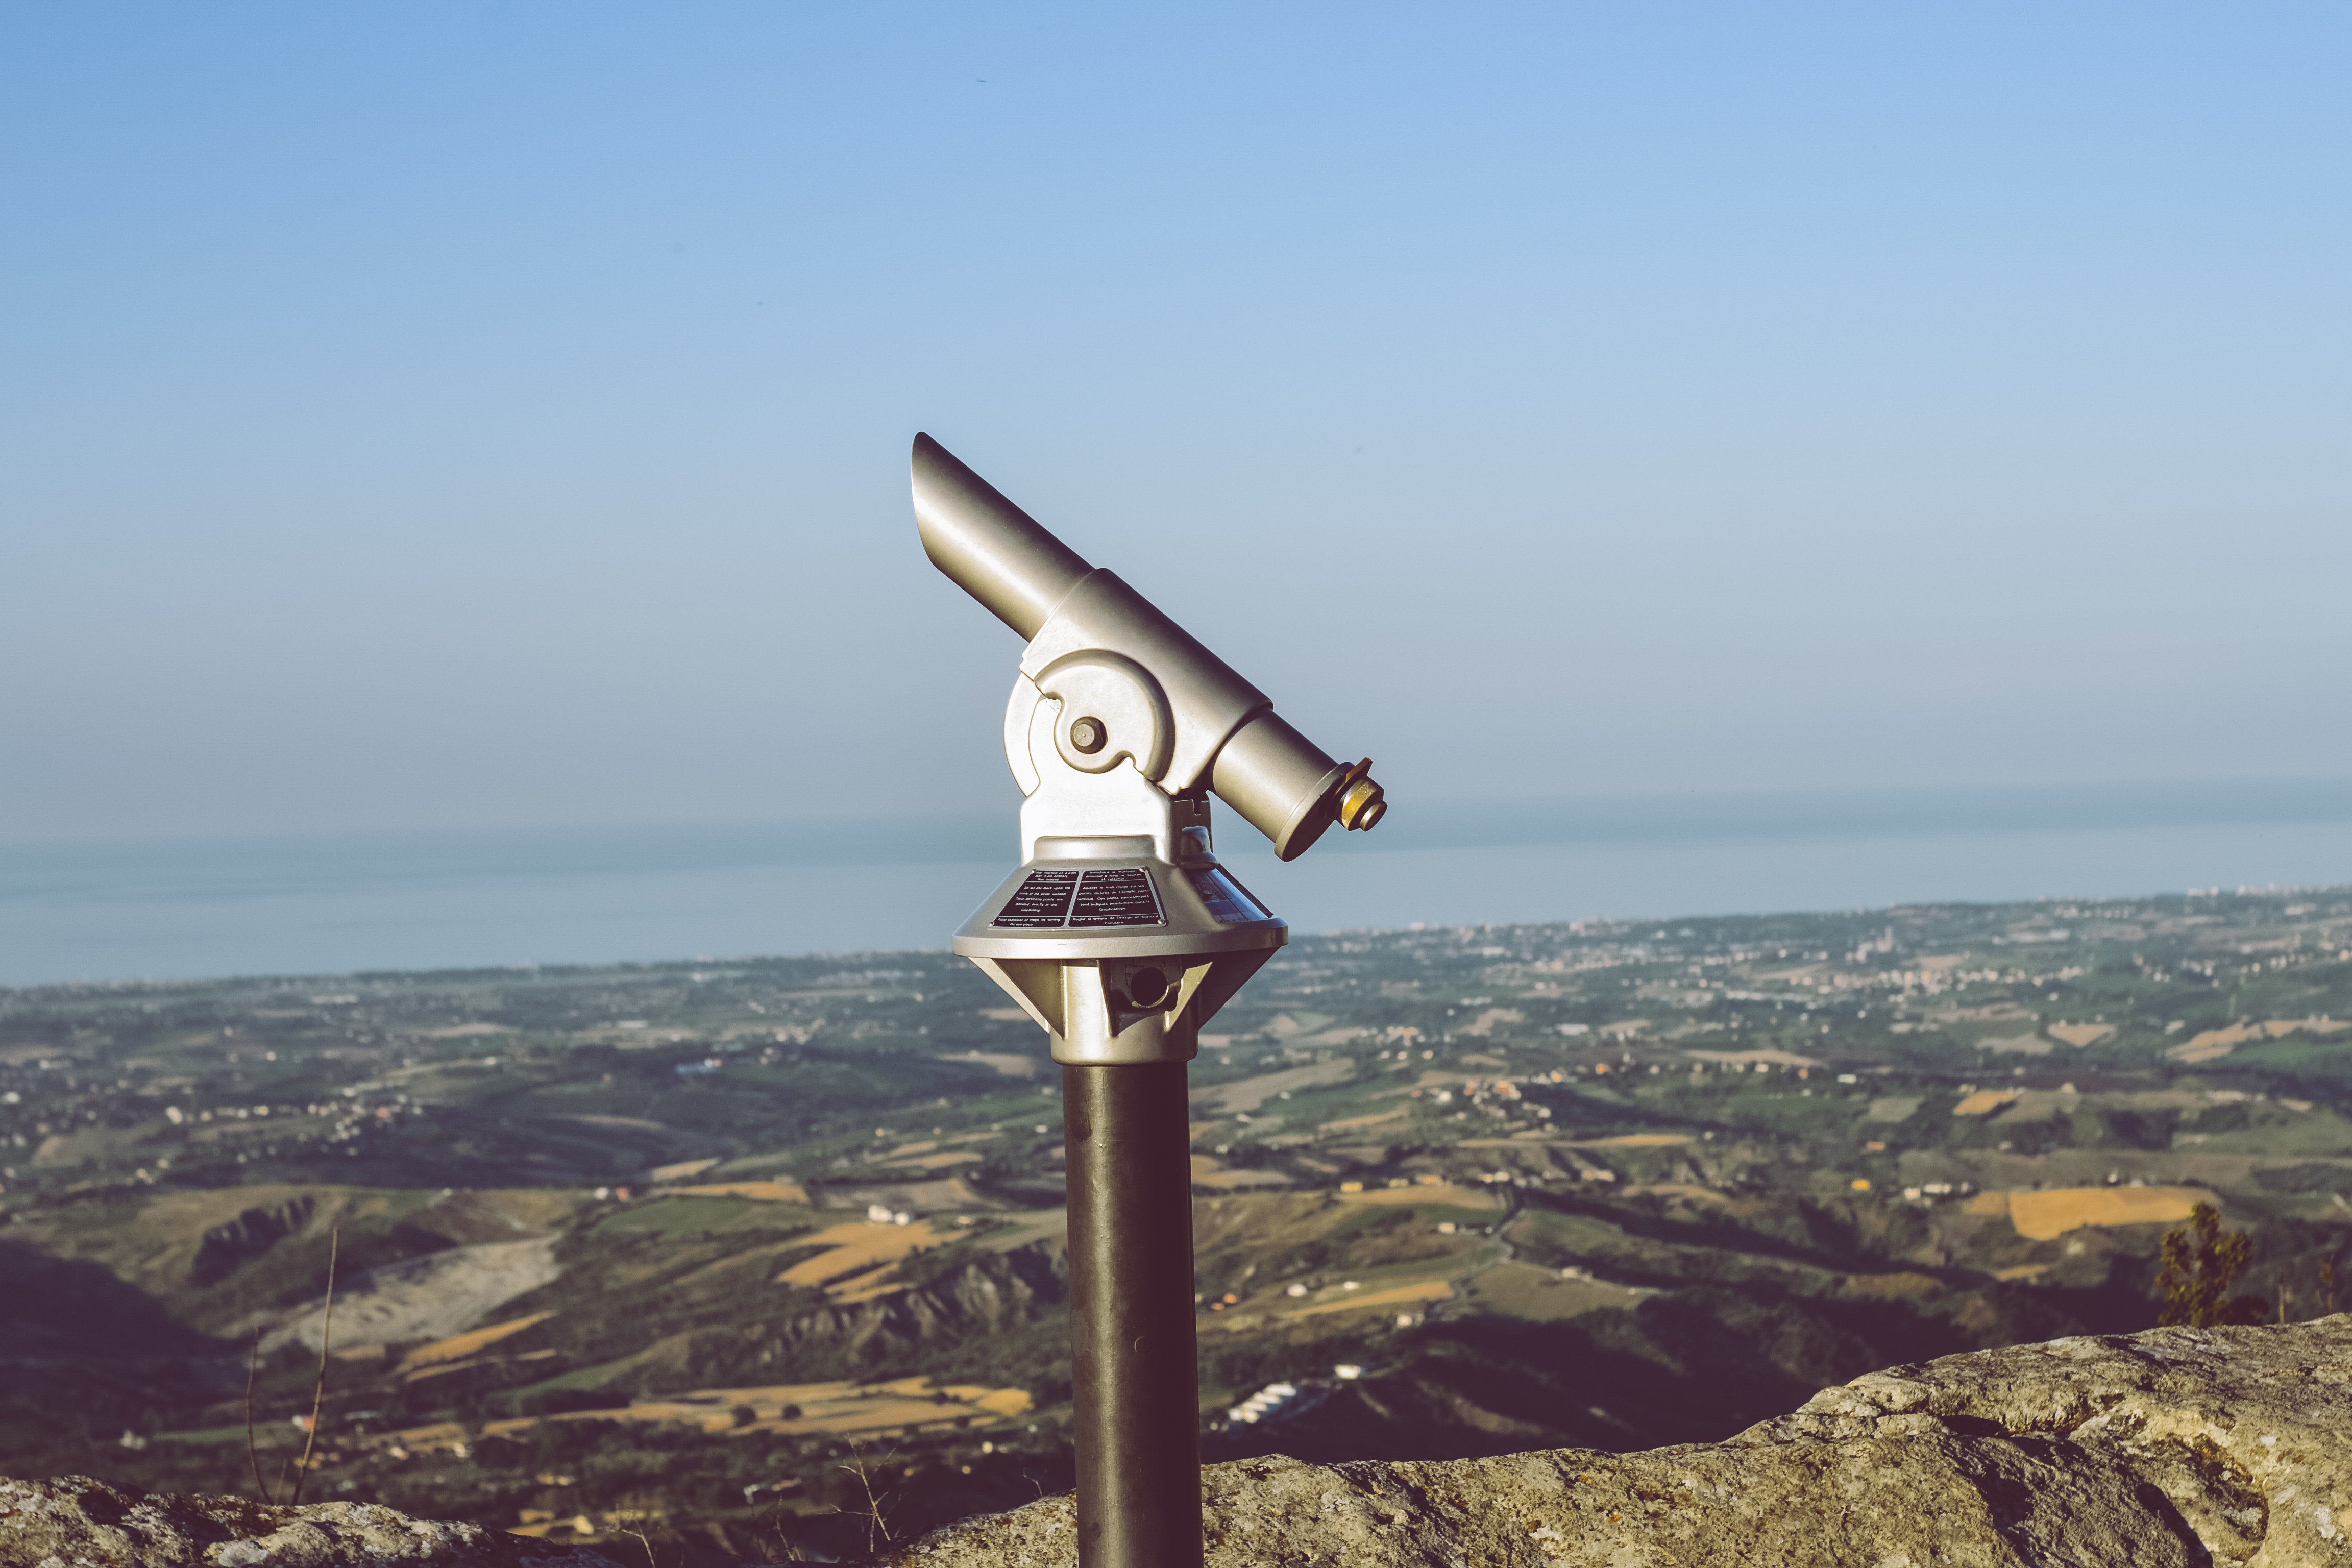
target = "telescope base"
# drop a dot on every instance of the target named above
(1133, 1372)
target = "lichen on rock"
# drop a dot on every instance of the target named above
(77, 1522)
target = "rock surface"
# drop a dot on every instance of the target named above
(2178, 1446)
(77, 1522)
(2174, 1447)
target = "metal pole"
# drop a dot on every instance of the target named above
(1134, 1379)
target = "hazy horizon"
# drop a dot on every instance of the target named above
(291, 904)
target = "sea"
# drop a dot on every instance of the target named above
(124, 911)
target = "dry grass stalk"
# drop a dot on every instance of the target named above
(874, 1520)
(318, 1390)
(252, 1362)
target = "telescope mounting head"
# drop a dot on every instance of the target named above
(1120, 933)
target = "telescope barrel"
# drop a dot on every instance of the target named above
(1281, 782)
(987, 546)
(1227, 735)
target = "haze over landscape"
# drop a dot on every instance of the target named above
(1834, 524)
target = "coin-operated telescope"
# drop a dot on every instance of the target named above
(1121, 934)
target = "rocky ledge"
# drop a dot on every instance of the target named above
(77, 1522)
(2175, 1447)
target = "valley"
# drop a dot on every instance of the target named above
(764, 1254)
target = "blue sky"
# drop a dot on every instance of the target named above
(447, 416)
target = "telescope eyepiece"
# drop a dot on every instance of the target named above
(1362, 803)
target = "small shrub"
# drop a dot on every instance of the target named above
(2199, 1266)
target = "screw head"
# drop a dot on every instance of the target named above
(1088, 735)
